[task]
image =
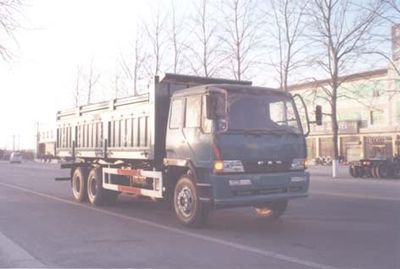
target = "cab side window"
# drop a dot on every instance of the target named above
(193, 112)
(176, 114)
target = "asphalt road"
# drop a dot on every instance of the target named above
(345, 223)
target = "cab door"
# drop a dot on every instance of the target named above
(175, 140)
(197, 131)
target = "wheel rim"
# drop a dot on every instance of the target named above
(92, 188)
(76, 186)
(185, 202)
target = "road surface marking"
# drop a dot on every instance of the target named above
(16, 255)
(357, 196)
(265, 253)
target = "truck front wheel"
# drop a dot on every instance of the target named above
(272, 210)
(79, 184)
(188, 207)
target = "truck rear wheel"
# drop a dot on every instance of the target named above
(352, 171)
(79, 184)
(188, 207)
(272, 210)
(96, 194)
(383, 171)
(396, 171)
(359, 171)
(374, 170)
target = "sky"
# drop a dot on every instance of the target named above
(55, 37)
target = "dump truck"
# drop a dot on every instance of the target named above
(194, 142)
(376, 168)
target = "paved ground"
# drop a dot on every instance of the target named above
(345, 223)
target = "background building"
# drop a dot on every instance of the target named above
(368, 112)
(46, 142)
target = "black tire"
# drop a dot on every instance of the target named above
(188, 207)
(390, 168)
(352, 171)
(95, 192)
(79, 184)
(359, 171)
(374, 170)
(369, 170)
(356, 170)
(396, 171)
(383, 171)
(272, 210)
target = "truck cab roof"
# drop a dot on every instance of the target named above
(203, 89)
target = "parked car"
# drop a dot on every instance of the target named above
(16, 157)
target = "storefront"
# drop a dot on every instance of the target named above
(378, 147)
(351, 148)
(312, 148)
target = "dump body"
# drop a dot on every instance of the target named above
(116, 129)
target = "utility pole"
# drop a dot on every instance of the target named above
(37, 139)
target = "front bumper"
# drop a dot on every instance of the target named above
(263, 188)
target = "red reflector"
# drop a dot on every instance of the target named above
(128, 172)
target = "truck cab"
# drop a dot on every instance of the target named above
(245, 146)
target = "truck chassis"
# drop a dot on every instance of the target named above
(370, 168)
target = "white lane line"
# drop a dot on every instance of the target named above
(16, 255)
(357, 196)
(266, 253)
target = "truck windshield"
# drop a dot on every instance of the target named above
(269, 112)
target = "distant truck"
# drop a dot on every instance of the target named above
(198, 143)
(377, 168)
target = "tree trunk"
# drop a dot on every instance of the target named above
(335, 129)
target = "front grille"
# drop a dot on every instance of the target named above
(265, 166)
(264, 191)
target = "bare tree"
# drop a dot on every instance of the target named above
(284, 36)
(85, 84)
(176, 34)
(204, 58)
(240, 35)
(156, 34)
(92, 79)
(9, 9)
(77, 91)
(133, 67)
(116, 82)
(343, 30)
(391, 13)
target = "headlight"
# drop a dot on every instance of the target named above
(231, 166)
(298, 164)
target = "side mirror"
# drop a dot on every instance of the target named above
(318, 115)
(301, 106)
(210, 107)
